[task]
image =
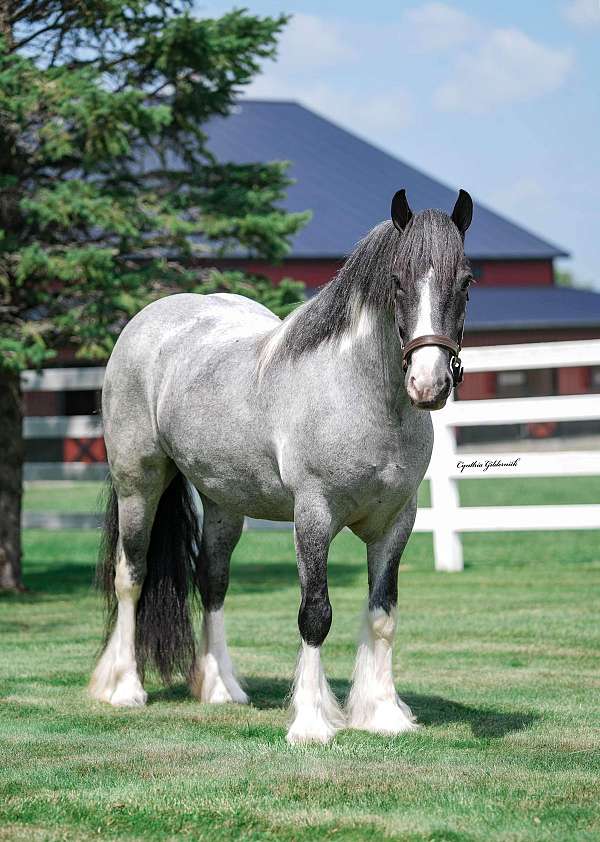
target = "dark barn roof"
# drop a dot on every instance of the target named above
(348, 183)
(503, 308)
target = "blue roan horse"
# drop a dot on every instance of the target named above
(322, 419)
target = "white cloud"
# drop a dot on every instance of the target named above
(437, 26)
(508, 66)
(310, 41)
(311, 51)
(382, 114)
(583, 12)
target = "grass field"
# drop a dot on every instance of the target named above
(510, 491)
(500, 664)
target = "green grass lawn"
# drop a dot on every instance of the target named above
(60, 496)
(499, 663)
(83, 496)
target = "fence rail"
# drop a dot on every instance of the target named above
(446, 519)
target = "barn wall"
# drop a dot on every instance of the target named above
(316, 272)
(574, 381)
(501, 273)
(478, 385)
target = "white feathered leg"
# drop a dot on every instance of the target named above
(317, 715)
(213, 679)
(373, 704)
(115, 678)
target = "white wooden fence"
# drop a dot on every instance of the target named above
(445, 519)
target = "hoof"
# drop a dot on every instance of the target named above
(100, 694)
(216, 689)
(220, 695)
(312, 729)
(126, 692)
(128, 698)
(388, 718)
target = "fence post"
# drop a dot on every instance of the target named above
(447, 544)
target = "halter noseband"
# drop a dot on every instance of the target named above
(435, 340)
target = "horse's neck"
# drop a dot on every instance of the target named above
(375, 360)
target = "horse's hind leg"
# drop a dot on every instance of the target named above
(373, 704)
(115, 678)
(213, 678)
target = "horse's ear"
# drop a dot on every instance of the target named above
(463, 212)
(401, 213)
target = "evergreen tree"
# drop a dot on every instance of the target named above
(107, 188)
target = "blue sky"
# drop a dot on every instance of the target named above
(501, 98)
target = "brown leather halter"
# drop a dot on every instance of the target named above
(436, 340)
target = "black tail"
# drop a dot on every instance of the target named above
(164, 625)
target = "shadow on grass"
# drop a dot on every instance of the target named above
(484, 722)
(77, 578)
(268, 693)
(273, 693)
(58, 580)
(174, 693)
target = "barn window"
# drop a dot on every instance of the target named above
(511, 384)
(81, 402)
(524, 384)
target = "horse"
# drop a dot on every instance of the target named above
(322, 419)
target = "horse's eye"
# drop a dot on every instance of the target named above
(466, 284)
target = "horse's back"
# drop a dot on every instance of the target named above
(183, 321)
(173, 315)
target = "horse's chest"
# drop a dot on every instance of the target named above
(386, 482)
(387, 471)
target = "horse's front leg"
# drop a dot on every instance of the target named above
(317, 715)
(373, 704)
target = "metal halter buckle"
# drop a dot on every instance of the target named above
(457, 370)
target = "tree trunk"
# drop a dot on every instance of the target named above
(5, 25)
(11, 480)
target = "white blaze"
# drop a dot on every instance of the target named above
(423, 360)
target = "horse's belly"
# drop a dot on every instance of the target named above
(245, 495)
(238, 477)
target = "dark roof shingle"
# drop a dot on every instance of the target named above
(531, 307)
(348, 183)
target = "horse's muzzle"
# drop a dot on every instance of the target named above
(429, 393)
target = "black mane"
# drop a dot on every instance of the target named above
(368, 279)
